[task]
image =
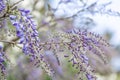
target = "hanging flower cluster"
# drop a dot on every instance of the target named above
(80, 43)
(2, 61)
(28, 36)
(2, 6)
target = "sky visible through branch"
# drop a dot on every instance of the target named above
(102, 20)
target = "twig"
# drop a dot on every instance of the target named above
(16, 3)
(11, 42)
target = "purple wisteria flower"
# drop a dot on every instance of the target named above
(81, 43)
(26, 31)
(2, 24)
(28, 36)
(2, 5)
(2, 11)
(2, 61)
(89, 77)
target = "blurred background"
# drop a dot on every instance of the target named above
(99, 16)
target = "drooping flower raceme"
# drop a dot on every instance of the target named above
(81, 43)
(2, 61)
(2, 6)
(25, 30)
(28, 37)
(2, 11)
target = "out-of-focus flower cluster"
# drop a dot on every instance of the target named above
(2, 61)
(2, 7)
